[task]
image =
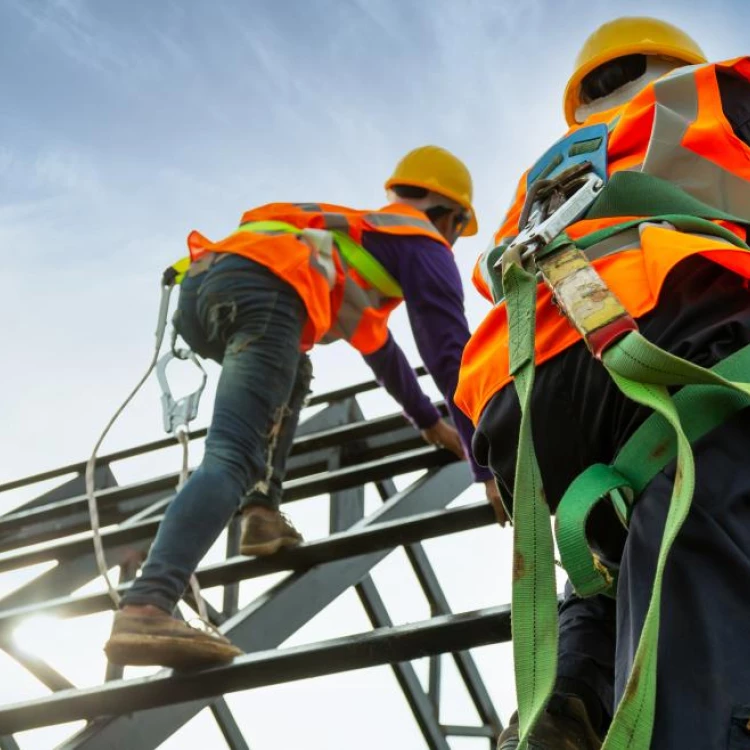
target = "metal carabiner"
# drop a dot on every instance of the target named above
(178, 413)
(538, 232)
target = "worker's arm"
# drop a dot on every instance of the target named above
(393, 372)
(429, 278)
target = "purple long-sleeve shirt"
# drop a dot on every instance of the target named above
(429, 278)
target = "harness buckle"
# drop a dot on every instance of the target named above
(600, 340)
(553, 205)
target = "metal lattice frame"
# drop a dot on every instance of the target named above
(336, 452)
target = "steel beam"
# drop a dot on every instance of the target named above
(228, 725)
(422, 458)
(459, 731)
(371, 538)
(274, 616)
(347, 508)
(231, 598)
(80, 466)
(354, 390)
(46, 674)
(438, 602)
(147, 694)
(418, 700)
(71, 516)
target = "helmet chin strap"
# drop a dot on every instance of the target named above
(656, 67)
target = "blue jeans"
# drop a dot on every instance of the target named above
(250, 321)
(268, 493)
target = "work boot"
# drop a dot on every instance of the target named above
(567, 728)
(164, 641)
(265, 531)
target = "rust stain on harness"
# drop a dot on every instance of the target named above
(633, 683)
(519, 566)
(660, 449)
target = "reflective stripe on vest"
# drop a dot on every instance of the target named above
(355, 256)
(318, 246)
(376, 219)
(383, 291)
(674, 129)
(321, 255)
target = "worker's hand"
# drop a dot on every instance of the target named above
(493, 496)
(442, 435)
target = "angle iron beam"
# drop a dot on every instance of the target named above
(403, 463)
(231, 599)
(464, 661)
(354, 390)
(401, 643)
(454, 730)
(438, 602)
(228, 725)
(347, 508)
(435, 680)
(80, 466)
(103, 479)
(320, 431)
(277, 614)
(419, 702)
(62, 579)
(71, 515)
(37, 666)
(373, 538)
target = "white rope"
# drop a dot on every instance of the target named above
(183, 438)
(101, 560)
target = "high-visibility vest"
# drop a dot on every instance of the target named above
(674, 129)
(316, 248)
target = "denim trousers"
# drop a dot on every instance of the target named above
(250, 321)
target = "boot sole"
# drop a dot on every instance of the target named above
(164, 651)
(269, 548)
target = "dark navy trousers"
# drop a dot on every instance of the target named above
(703, 683)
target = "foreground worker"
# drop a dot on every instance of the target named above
(291, 276)
(636, 221)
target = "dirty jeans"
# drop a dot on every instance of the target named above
(249, 320)
(269, 493)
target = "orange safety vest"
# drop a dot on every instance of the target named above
(674, 129)
(340, 301)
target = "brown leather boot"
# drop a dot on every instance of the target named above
(166, 642)
(265, 531)
(568, 728)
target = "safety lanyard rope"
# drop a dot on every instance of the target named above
(177, 415)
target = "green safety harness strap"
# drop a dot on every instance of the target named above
(652, 446)
(643, 372)
(534, 598)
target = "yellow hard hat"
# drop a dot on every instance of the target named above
(628, 36)
(438, 170)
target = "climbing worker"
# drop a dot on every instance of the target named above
(619, 274)
(291, 276)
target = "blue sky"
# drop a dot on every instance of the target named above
(127, 124)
